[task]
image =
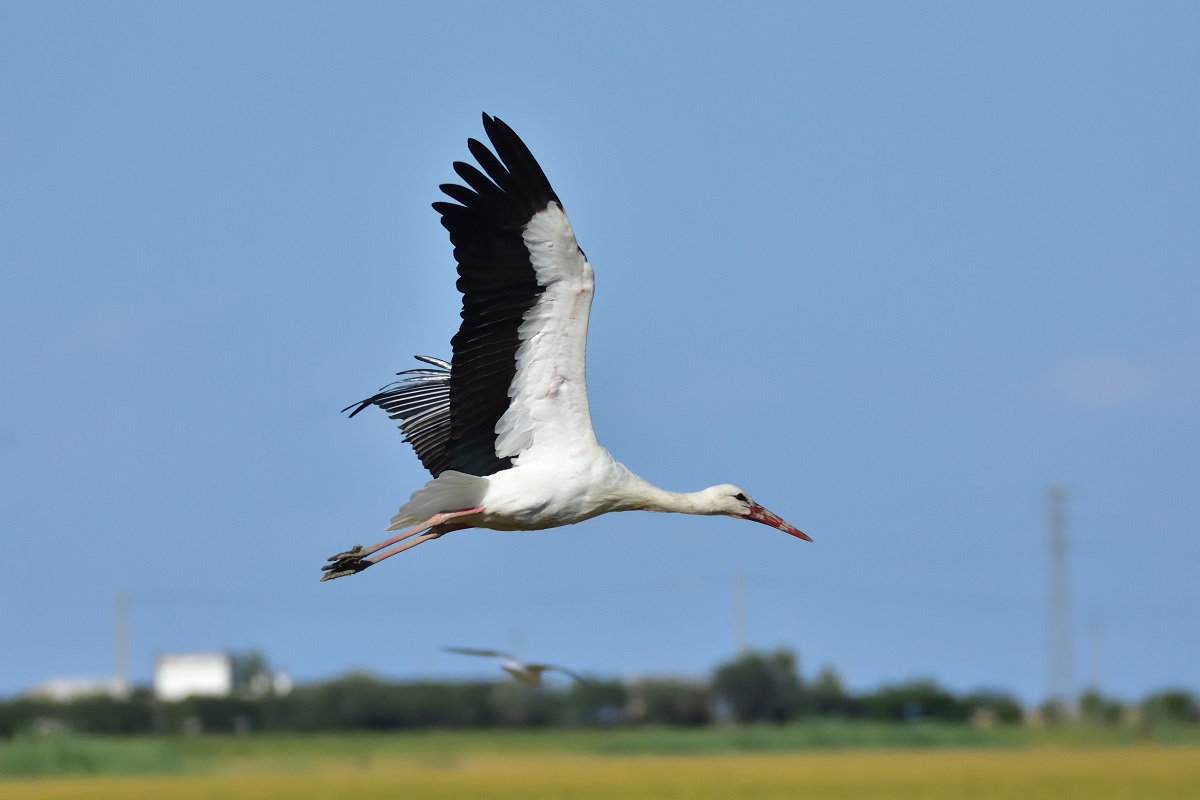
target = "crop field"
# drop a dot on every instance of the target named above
(366, 768)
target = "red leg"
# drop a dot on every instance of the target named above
(433, 534)
(355, 559)
(434, 521)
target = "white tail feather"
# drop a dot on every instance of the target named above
(450, 491)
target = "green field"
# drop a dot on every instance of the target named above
(811, 761)
(1157, 772)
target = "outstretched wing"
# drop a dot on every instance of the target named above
(420, 401)
(518, 380)
(563, 670)
(471, 651)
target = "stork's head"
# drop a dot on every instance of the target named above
(731, 501)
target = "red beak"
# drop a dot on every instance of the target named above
(760, 514)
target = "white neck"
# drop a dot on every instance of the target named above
(648, 497)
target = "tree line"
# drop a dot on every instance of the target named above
(758, 686)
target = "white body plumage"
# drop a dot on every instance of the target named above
(506, 428)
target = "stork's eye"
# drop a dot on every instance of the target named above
(741, 497)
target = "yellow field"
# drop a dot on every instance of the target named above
(1152, 772)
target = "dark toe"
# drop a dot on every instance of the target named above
(353, 552)
(345, 565)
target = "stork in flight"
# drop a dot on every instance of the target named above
(526, 674)
(504, 427)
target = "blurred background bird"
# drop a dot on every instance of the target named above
(523, 673)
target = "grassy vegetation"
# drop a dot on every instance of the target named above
(1040, 773)
(87, 755)
(210, 754)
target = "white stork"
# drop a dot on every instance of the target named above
(504, 427)
(523, 673)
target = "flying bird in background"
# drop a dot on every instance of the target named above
(527, 674)
(504, 427)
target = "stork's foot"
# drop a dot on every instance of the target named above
(346, 563)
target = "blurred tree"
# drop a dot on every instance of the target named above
(1171, 705)
(670, 702)
(760, 686)
(109, 715)
(251, 674)
(914, 700)
(1053, 712)
(1098, 709)
(756, 686)
(1002, 706)
(597, 702)
(526, 706)
(827, 697)
(211, 714)
(357, 700)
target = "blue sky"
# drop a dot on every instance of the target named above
(893, 270)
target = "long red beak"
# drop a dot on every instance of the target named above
(760, 514)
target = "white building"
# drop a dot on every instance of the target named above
(180, 675)
(64, 690)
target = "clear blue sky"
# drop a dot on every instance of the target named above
(894, 270)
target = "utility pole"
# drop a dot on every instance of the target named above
(1062, 687)
(1097, 637)
(121, 636)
